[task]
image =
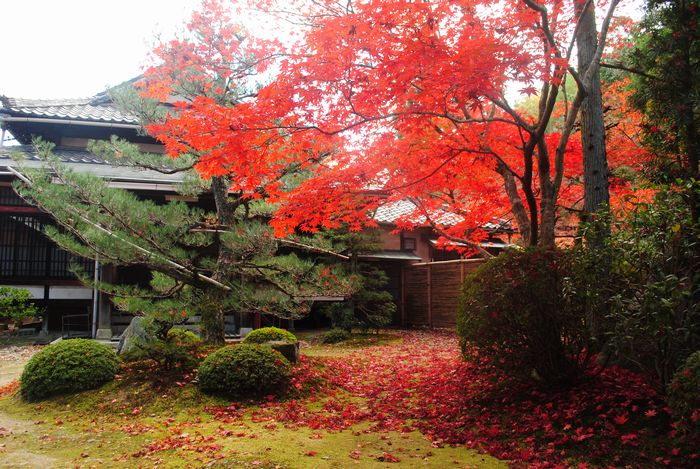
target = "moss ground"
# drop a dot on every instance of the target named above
(133, 423)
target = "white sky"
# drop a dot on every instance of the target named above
(77, 48)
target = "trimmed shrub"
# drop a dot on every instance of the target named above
(183, 337)
(335, 335)
(67, 367)
(268, 334)
(245, 370)
(684, 397)
(521, 309)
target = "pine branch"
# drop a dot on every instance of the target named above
(169, 262)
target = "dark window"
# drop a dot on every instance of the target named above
(439, 254)
(26, 252)
(9, 197)
(408, 244)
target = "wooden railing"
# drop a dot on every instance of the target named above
(75, 325)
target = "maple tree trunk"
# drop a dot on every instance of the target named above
(548, 198)
(547, 221)
(595, 163)
(516, 203)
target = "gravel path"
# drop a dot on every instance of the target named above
(14, 432)
(12, 360)
(18, 352)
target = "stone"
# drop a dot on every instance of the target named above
(104, 334)
(132, 335)
(290, 351)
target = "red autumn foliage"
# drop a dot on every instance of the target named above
(9, 388)
(409, 97)
(424, 384)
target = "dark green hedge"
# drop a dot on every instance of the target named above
(267, 334)
(335, 335)
(526, 310)
(245, 370)
(67, 367)
(684, 398)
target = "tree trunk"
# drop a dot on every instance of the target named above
(595, 164)
(596, 196)
(213, 322)
(516, 203)
(548, 198)
(547, 220)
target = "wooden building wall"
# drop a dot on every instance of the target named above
(431, 291)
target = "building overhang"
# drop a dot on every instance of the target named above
(82, 161)
(405, 256)
(491, 243)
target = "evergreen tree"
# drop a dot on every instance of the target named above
(370, 306)
(667, 89)
(202, 262)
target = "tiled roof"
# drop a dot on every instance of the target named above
(96, 109)
(393, 211)
(84, 161)
(67, 156)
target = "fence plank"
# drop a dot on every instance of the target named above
(415, 288)
(432, 290)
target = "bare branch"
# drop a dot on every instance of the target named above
(620, 66)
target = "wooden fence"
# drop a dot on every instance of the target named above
(431, 291)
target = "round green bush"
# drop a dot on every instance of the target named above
(67, 367)
(267, 334)
(684, 396)
(524, 311)
(335, 335)
(245, 370)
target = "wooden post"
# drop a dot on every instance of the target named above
(430, 296)
(403, 296)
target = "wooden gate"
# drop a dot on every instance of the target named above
(431, 291)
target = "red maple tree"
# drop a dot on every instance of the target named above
(409, 98)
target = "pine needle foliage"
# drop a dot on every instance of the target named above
(203, 261)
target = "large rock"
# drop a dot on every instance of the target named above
(132, 335)
(290, 351)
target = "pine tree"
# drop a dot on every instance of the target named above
(203, 262)
(370, 306)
